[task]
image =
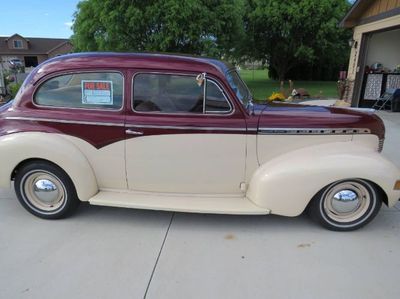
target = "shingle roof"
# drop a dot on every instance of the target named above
(37, 45)
(355, 12)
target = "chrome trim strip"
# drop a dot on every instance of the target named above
(231, 108)
(75, 122)
(187, 128)
(132, 132)
(312, 131)
(262, 131)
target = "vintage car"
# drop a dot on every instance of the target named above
(178, 133)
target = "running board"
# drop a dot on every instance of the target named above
(177, 202)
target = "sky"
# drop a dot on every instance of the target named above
(37, 18)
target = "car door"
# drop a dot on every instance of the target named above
(179, 141)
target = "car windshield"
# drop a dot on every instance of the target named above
(239, 87)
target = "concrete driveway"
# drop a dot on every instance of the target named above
(120, 253)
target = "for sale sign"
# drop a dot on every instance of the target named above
(97, 92)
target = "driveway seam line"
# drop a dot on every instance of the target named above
(158, 257)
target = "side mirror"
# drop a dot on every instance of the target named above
(250, 107)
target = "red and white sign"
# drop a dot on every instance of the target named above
(97, 92)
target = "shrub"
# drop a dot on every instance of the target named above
(13, 89)
(276, 96)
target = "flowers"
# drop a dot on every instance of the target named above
(276, 96)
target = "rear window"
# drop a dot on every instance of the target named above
(100, 90)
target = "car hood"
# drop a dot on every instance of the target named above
(296, 116)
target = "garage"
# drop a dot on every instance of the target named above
(374, 65)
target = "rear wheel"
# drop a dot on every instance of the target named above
(45, 190)
(346, 205)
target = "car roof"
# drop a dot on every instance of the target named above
(134, 60)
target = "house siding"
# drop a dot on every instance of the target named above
(64, 49)
(10, 43)
(380, 6)
(41, 58)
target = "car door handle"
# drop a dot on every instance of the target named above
(132, 132)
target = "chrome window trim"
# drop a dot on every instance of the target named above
(62, 121)
(41, 81)
(204, 92)
(244, 83)
(231, 112)
(223, 93)
(312, 131)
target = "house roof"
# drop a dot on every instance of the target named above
(37, 45)
(355, 12)
(355, 16)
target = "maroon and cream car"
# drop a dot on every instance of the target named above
(181, 133)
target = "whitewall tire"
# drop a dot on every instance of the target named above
(45, 190)
(346, 205)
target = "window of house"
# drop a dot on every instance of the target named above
(167, 93)
(99, 90)
(18, 44)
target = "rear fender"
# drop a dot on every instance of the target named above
(18, 147)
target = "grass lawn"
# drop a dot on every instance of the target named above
(262, 87)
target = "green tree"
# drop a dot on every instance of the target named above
(289, 33)
(210, 27)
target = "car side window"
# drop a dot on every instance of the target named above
(216, 101)
(94, 90)
(166, 93)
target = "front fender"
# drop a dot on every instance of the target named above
(286, 184)
(15, 148)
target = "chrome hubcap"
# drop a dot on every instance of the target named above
(347, 201)
(43, 190)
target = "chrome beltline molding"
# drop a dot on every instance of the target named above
(186, 128)
(63, 121)
(263, 131)
(124, 125)
(312, 131)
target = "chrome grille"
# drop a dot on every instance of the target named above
(380, 145)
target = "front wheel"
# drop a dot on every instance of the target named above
(346, 205)
(45, 190)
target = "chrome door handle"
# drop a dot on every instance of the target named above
(132, 132)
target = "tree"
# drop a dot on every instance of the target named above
(290, 33)
(210, 27)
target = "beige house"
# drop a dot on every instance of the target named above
(31, 50)
(374, 64)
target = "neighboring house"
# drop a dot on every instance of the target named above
(374, 64)
(31, 50)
